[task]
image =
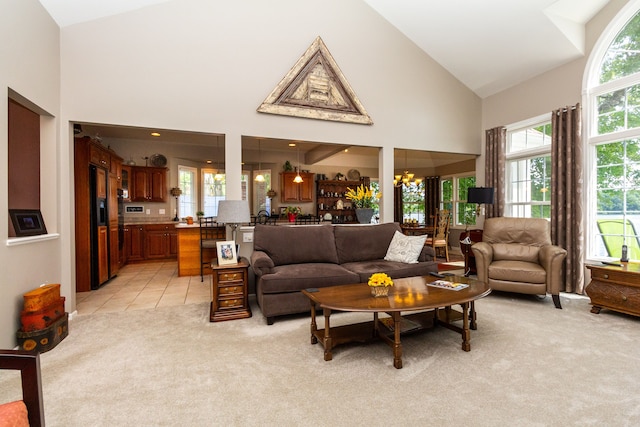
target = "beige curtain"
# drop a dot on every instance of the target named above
(496, 142)
(567, 180)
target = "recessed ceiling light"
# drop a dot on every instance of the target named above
(209, 162)
(292, 144)
(346, 150)
(155, 134)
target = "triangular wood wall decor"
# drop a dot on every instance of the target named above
(315, 88)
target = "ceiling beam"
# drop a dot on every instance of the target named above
(322, 152)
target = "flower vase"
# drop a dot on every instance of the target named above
(292, 217)
(379, 291)
(364, 215)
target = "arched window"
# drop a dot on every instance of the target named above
(613, 139)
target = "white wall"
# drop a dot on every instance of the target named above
(30, 66)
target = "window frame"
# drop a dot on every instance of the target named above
(513, 205)
(193, 204)
(592, 90)
(457, 204)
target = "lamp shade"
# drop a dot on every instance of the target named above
(233, 212)
(480, 195)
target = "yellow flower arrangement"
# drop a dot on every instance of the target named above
(380, 279)
(362, 197)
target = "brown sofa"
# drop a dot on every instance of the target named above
(288, 259)
(516, 255)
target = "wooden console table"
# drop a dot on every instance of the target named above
(469, 258)
(615, 288)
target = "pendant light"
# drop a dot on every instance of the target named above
(406, 178)
(218, 176)
(259, 177)
(298, 178)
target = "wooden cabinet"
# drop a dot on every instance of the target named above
(125, 175)
(161, 241)
(99, 156)
(134, 242)
(148, 184)
(103, 255)
(292, 192)
(331, 195)
(88, 240)
(230, 291)
(615, 288)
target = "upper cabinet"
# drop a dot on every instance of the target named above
(147, 184)
(293, 192)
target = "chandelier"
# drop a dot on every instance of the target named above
(406, 178)
(259, 177)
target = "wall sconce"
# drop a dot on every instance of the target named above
(480, 195)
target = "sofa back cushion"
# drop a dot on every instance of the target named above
(516, 238)
(296, 244)
(356, 243)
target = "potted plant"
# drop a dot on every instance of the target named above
(379, 284)
(363, 200)
(292, 212)
(199, 214)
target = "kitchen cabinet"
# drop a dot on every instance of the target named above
(124, 183)
(96, 173)
(133, 242)
(161, 241)
(293, 192)
(103, 255)
(114, 244)
(331, 195)
(148, 184)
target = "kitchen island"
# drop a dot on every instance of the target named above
(189, 250)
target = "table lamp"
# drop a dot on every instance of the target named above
(176, 192)
(480, 195)
(233, 213)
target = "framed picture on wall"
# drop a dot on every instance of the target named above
(27, 222)
(226, 251)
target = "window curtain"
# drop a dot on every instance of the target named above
(431, 198)
(567, 180)
(496, 143)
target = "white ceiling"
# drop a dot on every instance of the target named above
(489, 45)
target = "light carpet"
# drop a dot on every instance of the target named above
(529, 365)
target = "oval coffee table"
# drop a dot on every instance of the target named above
(427, 305)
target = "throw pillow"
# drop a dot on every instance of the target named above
(405, 248)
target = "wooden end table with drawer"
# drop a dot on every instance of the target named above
(230, 291)
(615, 288)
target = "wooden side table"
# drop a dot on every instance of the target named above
(615, 288)
(470, 259)
(230, 291)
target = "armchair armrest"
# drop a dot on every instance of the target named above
(551, 258)
(261, 263)
(427, 254)
(484, 256)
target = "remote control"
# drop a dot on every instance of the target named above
(433, 273)
(615, 264)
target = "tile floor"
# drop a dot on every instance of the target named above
(143, 286)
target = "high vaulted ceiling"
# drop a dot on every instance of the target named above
(488, 45)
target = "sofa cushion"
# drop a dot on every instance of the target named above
(515, 251)
(296, 277)
(394, 269)
(517, 271)
(363, 242)
(296, 244)
(405, 248)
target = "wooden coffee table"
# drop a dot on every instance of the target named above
(428, 306)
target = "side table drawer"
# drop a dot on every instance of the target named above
(613, 276)
(614, 296)
(231, 290)
(230, 276)
(231, 303)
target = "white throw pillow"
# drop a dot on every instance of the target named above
(405, 248)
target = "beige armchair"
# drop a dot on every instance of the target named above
(516, 255)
